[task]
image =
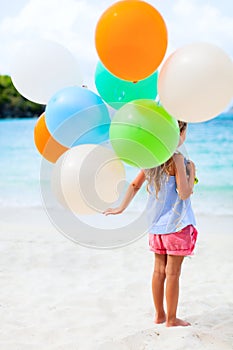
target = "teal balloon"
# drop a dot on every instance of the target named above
(117, 92)
(143, 134)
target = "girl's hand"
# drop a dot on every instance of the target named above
(113, 211)
(191, 167)
(129, 195)
(184, 176)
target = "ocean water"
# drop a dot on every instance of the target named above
(208, 144)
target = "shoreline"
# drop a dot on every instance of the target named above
(12, 217)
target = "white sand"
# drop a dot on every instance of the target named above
(57, 295)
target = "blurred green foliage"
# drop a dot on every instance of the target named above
(14, 105)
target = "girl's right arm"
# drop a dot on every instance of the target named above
(130, 193)
(184, 183)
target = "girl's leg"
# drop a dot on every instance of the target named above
(173, 269)
(158, 286)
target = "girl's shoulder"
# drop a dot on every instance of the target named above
(178, 157)
(178, 153)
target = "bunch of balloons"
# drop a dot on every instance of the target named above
(194, 84)
(75, 122)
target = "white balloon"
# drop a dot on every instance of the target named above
(196, 82)
(88, 178)
(42, 67)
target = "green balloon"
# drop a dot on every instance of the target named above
(143, 134)
(117, 92)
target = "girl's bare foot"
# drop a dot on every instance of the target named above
(160, 318)
(177, 322)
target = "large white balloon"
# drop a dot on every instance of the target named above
(196, 82)
(88, 178)
(42, 67)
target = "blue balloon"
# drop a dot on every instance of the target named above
(75, 115)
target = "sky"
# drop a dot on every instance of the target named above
(72, 23)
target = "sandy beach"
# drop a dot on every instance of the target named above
(58, 295)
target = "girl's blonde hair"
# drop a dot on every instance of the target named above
(156, 176)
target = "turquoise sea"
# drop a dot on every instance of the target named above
(209, 145)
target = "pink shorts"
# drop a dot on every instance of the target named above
(180, 243)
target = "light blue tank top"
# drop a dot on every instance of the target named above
(168, 213)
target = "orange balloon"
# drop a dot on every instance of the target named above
(131, 39)
(48, 147)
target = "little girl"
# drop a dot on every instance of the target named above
(172, 233)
